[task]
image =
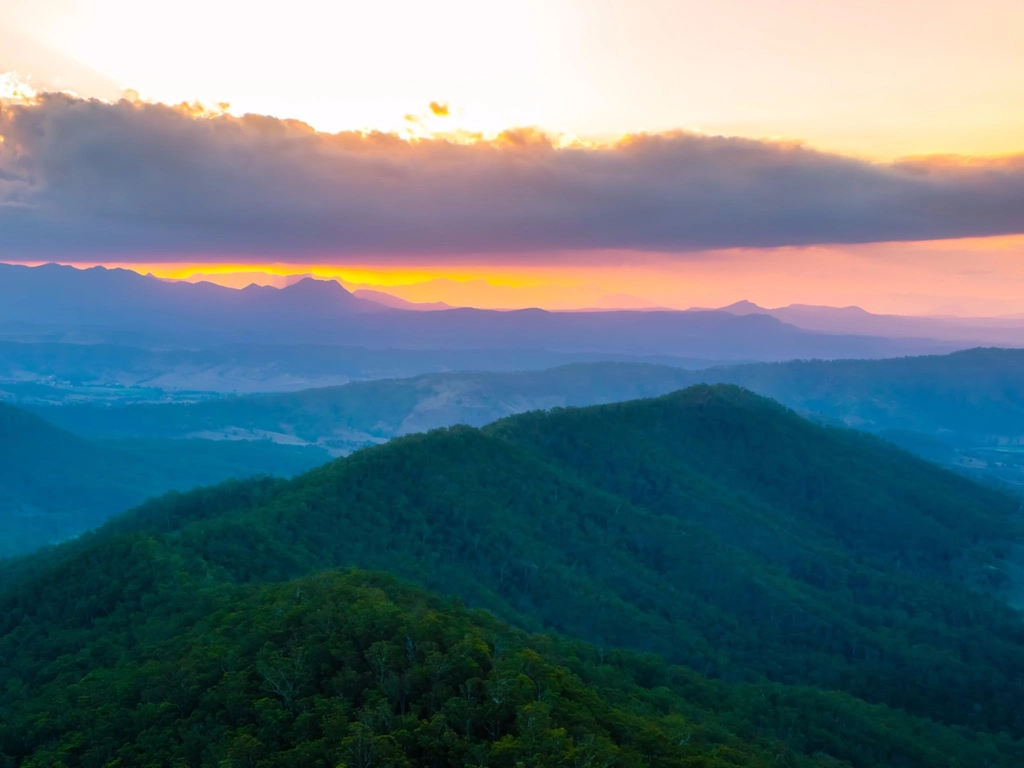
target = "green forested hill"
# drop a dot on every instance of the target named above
(709, 526)
(54, 485)
(356, 669)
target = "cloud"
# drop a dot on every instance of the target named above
(84, 177)
(440, 109)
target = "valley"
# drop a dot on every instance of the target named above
(964, 410)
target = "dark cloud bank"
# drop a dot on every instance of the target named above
(90, 177)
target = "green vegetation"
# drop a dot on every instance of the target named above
(828, 592)
(962, 410)
(54, 485)
(357, 669)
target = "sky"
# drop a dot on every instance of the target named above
(561, 153)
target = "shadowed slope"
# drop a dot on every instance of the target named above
(55, 485)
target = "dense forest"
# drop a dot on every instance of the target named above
(830, 597)
(356, 669)
(55, 485)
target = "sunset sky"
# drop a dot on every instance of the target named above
(559, 153)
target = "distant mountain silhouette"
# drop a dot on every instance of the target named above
(119, 304)
(308, 299)
(742, 307)
(1003, 331)
(242, 279)
(395, 302)
(60, 295)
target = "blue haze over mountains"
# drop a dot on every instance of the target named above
(99, 305)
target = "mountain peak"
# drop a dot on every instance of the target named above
(310, 293)
(313, 287)
(744, 307)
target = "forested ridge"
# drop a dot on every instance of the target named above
(357, 669)
(830, 597)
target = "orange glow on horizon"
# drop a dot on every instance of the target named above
(973, 276)
(390, 276)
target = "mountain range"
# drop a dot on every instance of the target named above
(993, 331)
(834, 601)
(58, 303)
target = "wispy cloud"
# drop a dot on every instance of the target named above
(80, 176)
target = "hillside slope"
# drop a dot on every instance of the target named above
(976, 393)
(57, 373)
(358, 669)
(347, 417)
(965, 410)
(54, 485)
(710, 526)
